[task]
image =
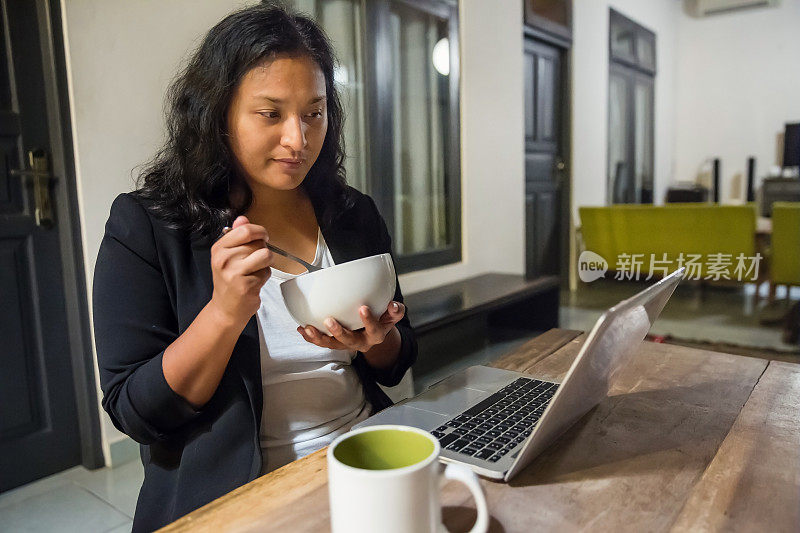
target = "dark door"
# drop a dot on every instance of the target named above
(544, 161)
(38, 420)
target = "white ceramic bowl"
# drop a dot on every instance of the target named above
(339, 291)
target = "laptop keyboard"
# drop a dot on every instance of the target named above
(495, 426)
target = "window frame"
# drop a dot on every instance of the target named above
(639, 31)
(379, 120)
(537, 21)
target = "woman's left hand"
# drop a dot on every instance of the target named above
(374, 332)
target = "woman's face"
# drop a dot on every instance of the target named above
(277, 122)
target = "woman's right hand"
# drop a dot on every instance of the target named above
(240, 265)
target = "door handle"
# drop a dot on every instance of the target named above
(559, 172)
(39, 170)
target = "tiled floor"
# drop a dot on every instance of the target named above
(104, 500)
(76, 500)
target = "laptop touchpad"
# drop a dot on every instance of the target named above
(448, 400)
(406, 416)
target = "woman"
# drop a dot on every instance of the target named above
(199, 359)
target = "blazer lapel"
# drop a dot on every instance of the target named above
(201, 253)
(246, 357)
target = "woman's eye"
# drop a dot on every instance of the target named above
(273, 114)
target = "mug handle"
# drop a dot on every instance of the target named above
(466, 476)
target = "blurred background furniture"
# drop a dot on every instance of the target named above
(785, 261)
(791, 145)
(785, 256)
(686, 192)
(778, 190)
(786, 187)
(671, 229)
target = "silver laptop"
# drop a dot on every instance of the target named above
(496, 421)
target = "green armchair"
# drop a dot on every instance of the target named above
(785, 260)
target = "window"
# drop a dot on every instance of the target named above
(632, 71)
(399, 79)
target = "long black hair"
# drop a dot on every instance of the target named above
(188, 182)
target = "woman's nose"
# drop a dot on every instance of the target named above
(294, 135)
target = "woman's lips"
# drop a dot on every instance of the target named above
(290, 164)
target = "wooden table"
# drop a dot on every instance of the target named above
(688, 440)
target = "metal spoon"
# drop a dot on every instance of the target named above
(284, 253)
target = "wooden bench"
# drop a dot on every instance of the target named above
(458, 318)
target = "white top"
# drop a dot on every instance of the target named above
(311, 394)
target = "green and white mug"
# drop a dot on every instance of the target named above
(388, 478)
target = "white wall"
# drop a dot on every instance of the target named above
(122, 56)
(590, 92)
(738, 83)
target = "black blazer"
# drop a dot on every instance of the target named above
(150, 282)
